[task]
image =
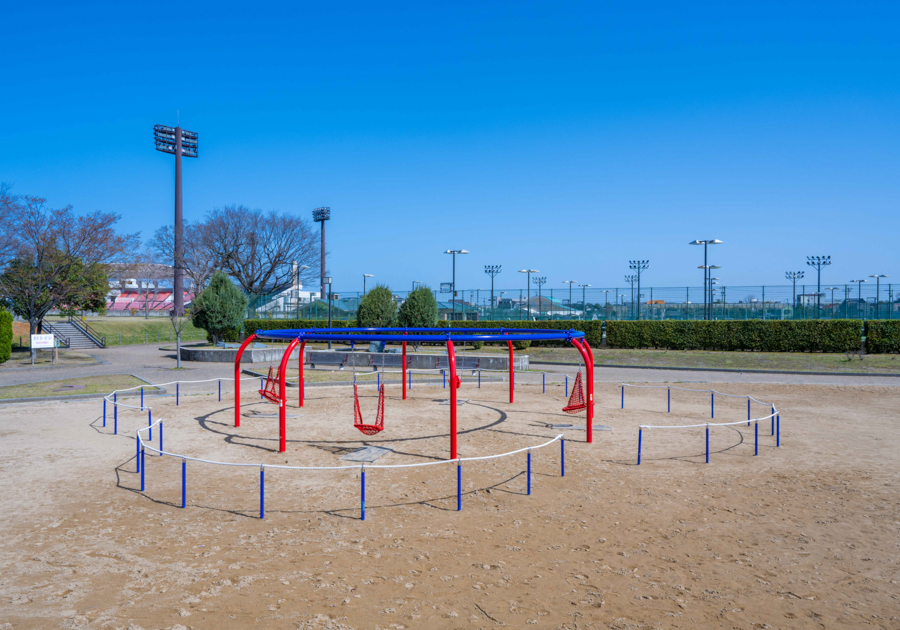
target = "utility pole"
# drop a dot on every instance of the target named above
(631, 279)
(492, 271)
(320, 216)
(818, 262)
(528, 287)
(639, 266)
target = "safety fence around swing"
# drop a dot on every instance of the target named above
(774, 417)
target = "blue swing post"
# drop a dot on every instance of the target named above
(567, 385)
(543, 382)
(150, 425)
(160, 438)
(773, 419)
(623, 396)
(137, 453)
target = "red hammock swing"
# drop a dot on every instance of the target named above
(271, 391)
(576, 398)
(369, 429)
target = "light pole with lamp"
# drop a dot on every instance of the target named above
(492, 271)
(878, 278)
(631, 279)
(639, 266)
(706, 243)
(366, 275)
(326, 282)
(859, 295)
(541, 281)
(605, 301)
(709, 271)
(528, 286)
(454, 252)
(818, 262)
(712, 295)
(793, 276)
(570, 283)
(584, 300)
(299, 270)
(832, 289)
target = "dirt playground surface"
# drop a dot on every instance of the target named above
(801, 536)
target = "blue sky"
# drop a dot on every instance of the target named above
(567, 137)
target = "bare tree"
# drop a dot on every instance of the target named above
(59, 259)
(199, 260)
(258, 249)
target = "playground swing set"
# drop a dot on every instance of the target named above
(274, 389)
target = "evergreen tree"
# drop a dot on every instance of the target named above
(6, 335)
(220, 309)
(420, 310)
(377, 309)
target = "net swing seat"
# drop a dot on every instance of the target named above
(271, 390)
(368, 429)
(577, 402)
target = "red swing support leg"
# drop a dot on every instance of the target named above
(300, 382)
(282, 396)
(454, 383)
(587, 355)
(237, 379)
(512, 374)
(403, 379)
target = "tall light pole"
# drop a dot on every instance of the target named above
(366, 275)
(528, 286)
(454, 252)
(793, 276)
(878, 278)
(326, 281)
(818, 262)
(859, 296)
(414, 283)
(320, 216)
(492, 271)
(631, 279)
(540, 282)
(584, 300)
(570, 283)
(639, 266)
(832, 289)
(606, 301)
(178, 142)
(710, 301)
(706, 243)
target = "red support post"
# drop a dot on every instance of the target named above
(512, 374)
(454, 384)
(404, 370)
(300, 382)
(237, 379)
(589, 371)
(282, 397)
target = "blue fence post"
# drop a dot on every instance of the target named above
(529, 472)
(543, 382)
(712, 405)
(410, 381)
(142, 397)
(756, 439)
(160, 438)
(562, 457)
(773, 419)
(183, 483)
(177, 393)
(623, 396)
(104, 412)
(362, 493)
(220, 390)
(748, 411)
(378, 380)
(149, 425)
(458, 485)
(479, 379)
(707, 443)
(778, 430)
(143, 469)
(261, 388)
(567, 385)
(640, 439)
(115, 415)
(669, 400)
(262, 492)
(137, 451)
(444, 377)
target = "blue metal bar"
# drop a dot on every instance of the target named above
(707, 444)
(183, 483)
(529, 472)
(143, 469)
(562, 457)
(567, 385)
(378, 384)
(444, 376)
(712, 405)
(261, 388)
(640, 438)
(623, 396)
(177, 392)
(756, 433)
(115, 415)
(220, 390)
(410, 381)
(669, 400)
(150, 425)
(778, 430)
(142, 397)
(104, 413)
(458, 486)
(137, 454)
(748, 411)
(479, 379)
(415, 335)
(543, 383)
(362, 494)
(773, 419)
(262, 493)
(160, 438)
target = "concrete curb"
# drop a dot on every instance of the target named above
(159, 391)
(734, 370)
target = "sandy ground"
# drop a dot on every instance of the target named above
(802, 536)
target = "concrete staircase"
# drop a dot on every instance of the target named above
(77, 338)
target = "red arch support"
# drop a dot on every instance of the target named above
(588, 357)
(237, 379)
(300, 384)
(512, 374)
(454, 384)
(282, 404)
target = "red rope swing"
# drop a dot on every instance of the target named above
(271, 391)
(576, 398)
(368, 429)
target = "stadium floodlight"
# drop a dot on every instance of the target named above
(178, 142)
(570, 283)
(584, 300)
(793, 276)
(859, 295)
(639, 266)
(818, 262)
(878, 277)
(320, 216)
(528, 287)
(454, 252)
(540, 281)
(706, 243)
(492, 271)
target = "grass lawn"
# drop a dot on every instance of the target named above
(83, 385)
(21, 358)
(134, 330)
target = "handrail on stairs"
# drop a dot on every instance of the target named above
(90, 332)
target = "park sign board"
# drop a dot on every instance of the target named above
(39, 342)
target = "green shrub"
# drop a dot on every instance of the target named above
(252, 325)
(883, 337)
(420, 310)
(219, 309)
(6, 335)
(593, 329)
(477, 345)
(377, 309)
(837, 335)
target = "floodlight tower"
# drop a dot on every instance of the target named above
(492, 271)
(541, 281)
(528, 287)
(639, 266)
(878, 277)
(818, 262)
(178, 142)
(631, 279)
(454, 252)
(793, 276)
(570, 283)
(584, 303)
(320, 216)
(705, 266)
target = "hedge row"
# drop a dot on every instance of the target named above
(835, 335)
(883, 337)
(6, 335)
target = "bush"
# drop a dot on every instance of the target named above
(6, 335)
(883, 337)
(220, 309)
(593, 329)
(477, 345)
(252, 325)
(420, 310)
(836, 335)
(377, 309)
